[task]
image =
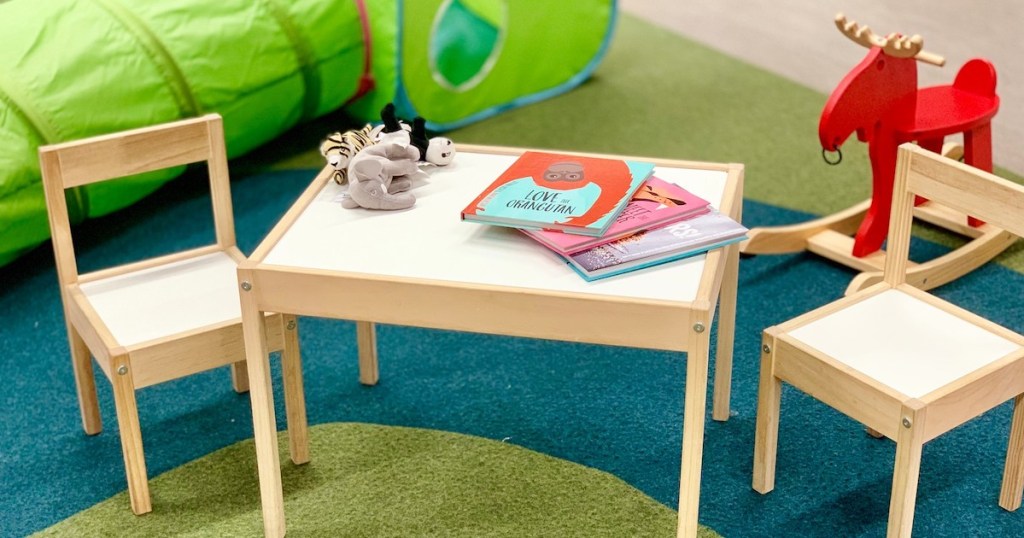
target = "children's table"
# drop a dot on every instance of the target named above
(423, 267)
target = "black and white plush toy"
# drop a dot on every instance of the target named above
(437, 151)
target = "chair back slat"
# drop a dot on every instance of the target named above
(133, 152)
(974, 192)
(966, 189)
(101, 158)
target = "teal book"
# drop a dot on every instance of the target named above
(551, 191)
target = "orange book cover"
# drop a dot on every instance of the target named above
(574, 194)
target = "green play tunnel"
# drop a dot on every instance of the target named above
(76, 68)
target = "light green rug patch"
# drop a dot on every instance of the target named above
(371, 480)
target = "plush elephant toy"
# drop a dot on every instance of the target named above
(379, 174)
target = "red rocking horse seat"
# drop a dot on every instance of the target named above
(967, 106)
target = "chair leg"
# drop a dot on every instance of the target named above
(766, 431)
(909, 443)
(1013, 472)
(366, 341)
(239, 377)
(131, 435)
(85, 383)
(294, 393)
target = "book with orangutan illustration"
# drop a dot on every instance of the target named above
(571, 193)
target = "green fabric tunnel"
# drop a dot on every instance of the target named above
(76, 68)
(459, 61)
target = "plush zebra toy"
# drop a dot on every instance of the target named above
(339, 148)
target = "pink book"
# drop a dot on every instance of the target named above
(657, 203)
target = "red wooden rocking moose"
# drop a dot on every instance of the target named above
(880, 101)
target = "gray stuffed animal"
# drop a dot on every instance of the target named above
(379, 174)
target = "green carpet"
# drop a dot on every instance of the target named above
(368, 480)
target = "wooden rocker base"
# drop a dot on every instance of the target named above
(832, 238)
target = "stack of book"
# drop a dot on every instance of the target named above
(602, 216)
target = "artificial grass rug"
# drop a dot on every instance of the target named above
(371, 480)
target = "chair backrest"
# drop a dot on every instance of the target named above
(966, 189)
(92, 160)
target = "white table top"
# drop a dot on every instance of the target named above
(430, 241)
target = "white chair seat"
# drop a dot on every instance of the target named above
(905, 343)
(166, 300)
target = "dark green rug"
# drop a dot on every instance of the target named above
(372, 481)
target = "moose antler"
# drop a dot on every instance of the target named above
(893, 45)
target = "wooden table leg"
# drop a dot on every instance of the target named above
(262, 398)
(694, 407)
(726, 334)
(366, 342)
(294, 391)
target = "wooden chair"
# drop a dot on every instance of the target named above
(903, 362)
(162, 318)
